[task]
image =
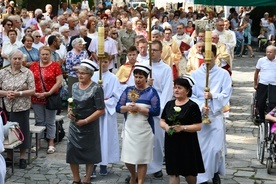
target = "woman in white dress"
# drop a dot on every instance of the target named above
(140, 103)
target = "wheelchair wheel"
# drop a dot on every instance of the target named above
(269, 165)
(261, 143)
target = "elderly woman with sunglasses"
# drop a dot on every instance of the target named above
(37, 43)
(7, 25)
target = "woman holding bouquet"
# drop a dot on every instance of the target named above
(84, 145)
(140, 103)
(181, 119)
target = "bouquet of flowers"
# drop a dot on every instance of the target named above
(72, 107)
(174, 120)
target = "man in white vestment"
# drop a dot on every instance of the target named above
(225, 37)
(185, 42)
(143, 51)
(211, 136)
(108, 122)
(163, 83)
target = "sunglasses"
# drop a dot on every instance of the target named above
(38, 36)
(114, 33)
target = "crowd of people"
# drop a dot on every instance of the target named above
(163, 100)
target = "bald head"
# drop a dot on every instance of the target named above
(129, 26)
(270, 52)
(215, 37)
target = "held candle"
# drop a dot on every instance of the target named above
(208, 45)
(101, 40)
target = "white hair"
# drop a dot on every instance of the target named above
(44, 23)
(35, 32)
(54, 25)
(38, 11)
(63, 28)
(47, 6)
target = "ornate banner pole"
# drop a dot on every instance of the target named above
(149, 41)
(100, 50)
(208, 58)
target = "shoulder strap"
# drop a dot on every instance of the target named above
(28, 53)
(41, 77)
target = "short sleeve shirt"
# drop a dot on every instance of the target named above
(17, 81)
(267, 69)
(49, 74)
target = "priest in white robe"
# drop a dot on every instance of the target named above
(110, 148)
(211, 136)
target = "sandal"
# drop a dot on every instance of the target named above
(51, 150)
(34, 149)
(252, 56)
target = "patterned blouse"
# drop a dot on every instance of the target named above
(18, 81)
(73, 59)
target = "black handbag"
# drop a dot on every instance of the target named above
(53, 102)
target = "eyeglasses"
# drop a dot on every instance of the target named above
(9, 24)
(82, 73)
(38, 36)
(114, 33)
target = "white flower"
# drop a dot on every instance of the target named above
(177, 109)
(70, 100)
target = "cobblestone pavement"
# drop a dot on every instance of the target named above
(242, 165)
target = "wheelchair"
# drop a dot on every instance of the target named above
(266, 141)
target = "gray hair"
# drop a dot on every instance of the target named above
(156, 32)
(47, 6)
(76, 41)
(63, 28)
(35, 32)
(15, 51)
(54, 25)
(90, 71)
(38, 11)
(44, 23)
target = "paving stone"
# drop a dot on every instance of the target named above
(242, 173)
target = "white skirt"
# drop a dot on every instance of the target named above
(137, 139)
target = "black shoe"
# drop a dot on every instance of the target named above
(158, 174)
(204, 183)
(8, 162)
(127, 180)
(22, 164)
(216, 179)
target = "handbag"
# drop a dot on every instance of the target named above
(53, 102)
(15, 134)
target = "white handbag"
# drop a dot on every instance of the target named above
(15, 134)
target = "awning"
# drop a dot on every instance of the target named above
(237, 3)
